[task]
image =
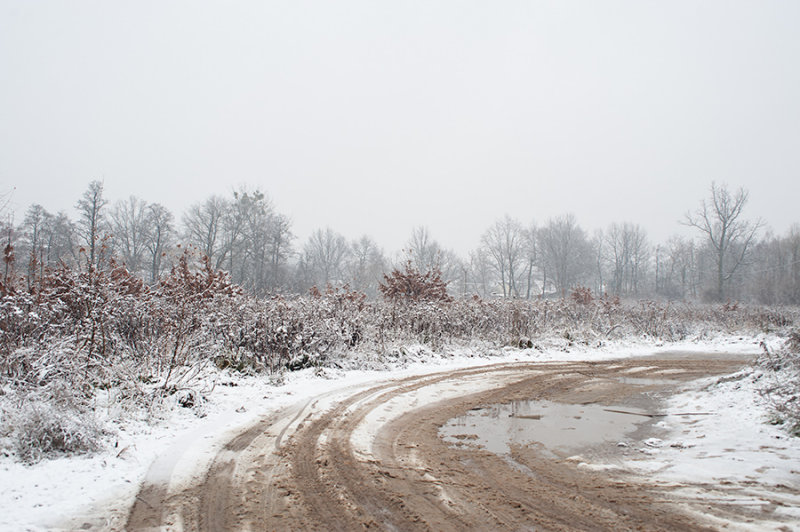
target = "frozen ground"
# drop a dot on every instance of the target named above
(732, 454)
(726, 449)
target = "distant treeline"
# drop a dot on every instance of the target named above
(732, 258)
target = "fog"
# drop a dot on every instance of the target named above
(376, 117)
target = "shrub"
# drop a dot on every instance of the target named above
(41, 429)
(103, 330)
(411, 285)
(582, 295)
(782, 387)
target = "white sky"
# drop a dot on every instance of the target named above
(376, 116)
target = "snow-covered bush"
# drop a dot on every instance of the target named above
(48, 422)
(412, 286)
(292, 332)
(41, 430)
(782, 385)
(101, 332)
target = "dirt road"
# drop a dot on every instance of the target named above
(374, 457)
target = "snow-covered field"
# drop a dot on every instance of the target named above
(728, 448)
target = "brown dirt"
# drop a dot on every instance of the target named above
(299, 470)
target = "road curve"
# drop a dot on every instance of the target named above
(372, 457)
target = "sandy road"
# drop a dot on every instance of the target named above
(373, 457)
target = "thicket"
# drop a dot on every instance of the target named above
(69, 336)
(782, 385)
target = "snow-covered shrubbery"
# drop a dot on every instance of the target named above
(49, 421)
(103, 331)
(781, 384)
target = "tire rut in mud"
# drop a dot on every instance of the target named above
(299, 469)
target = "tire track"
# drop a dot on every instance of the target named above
(299, 468)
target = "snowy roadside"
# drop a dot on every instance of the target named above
(99, 490)
(733, 454)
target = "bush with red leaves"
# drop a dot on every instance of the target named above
(413, 286)
(582, 295)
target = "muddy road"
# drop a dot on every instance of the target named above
(376, 457)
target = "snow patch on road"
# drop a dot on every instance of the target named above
(732, 453)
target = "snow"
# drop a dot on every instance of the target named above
(67, 493)
(735, 443)
(734, 452)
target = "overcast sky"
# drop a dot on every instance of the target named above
(373, 117)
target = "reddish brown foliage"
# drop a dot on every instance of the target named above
(730, 307)
(413, 286)
(206, 283)
(582, 295)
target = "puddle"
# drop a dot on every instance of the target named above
(560, 428)
(697, 355)
(642, 381)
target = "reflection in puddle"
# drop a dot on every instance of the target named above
(560, 428)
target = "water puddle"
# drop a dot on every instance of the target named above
(642, 381)
(560, 428)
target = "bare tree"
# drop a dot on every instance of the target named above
(599, 249)
(5, 200)
(258, 242)
(47, 239)
(425, 252)
(627, 252)
(203, 227)
(246, 237)
(365, 266)
(9, 235)
(58, 239)
(324, 255)
(676, 268)
(480, 273)
(730, 237)
(160, 234)
(8, 230)
(530, 244)
(504, 243)
(566, 252)
(92, 220)
(776, 275)
(427, 255)
(129, 224)
(455, 272)
(280, 248)
(792, 282)
(33, 231)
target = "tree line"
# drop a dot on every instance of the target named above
(731, 258)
